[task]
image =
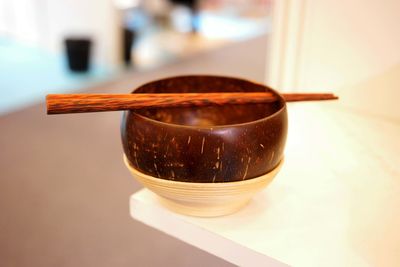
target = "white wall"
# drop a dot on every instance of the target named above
(19, 19)
(327, 44)
(348, 42)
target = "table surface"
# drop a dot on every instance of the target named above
(334, 203)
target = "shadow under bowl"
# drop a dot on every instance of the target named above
(210, 144)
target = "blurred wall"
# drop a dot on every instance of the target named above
(327, 44)
(348, 42)
(47, 22)
(20, 19)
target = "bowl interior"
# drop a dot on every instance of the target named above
(210, 115)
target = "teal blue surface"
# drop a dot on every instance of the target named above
(28, 73)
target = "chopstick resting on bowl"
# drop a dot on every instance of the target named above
(80, 103)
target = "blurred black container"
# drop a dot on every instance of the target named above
(78, 53)
(128, 39)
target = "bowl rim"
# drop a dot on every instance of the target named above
(282, 109)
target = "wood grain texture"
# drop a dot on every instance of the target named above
(80, 103)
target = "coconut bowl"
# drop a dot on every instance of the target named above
(205, 161)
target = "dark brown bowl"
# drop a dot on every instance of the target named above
(205, 144)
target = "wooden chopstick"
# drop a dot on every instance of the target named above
(79, 103)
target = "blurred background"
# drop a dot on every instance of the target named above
(103, 39)
(64, 190)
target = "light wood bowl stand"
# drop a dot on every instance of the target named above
(204, 199)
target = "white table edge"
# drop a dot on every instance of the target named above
(176, 226)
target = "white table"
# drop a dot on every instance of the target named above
(336, 201)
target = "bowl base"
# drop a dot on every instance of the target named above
(203, 209)
(204, 199)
